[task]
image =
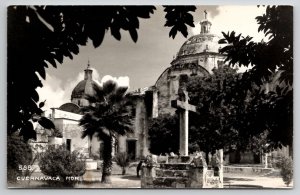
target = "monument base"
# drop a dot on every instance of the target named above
(178, 172)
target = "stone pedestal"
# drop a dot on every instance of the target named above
(148, 175)
(90, 164)
(178, 172)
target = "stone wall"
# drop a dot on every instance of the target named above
(74, 132)
(168, 84)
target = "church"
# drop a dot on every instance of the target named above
(197, 57)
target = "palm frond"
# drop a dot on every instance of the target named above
(108, 115)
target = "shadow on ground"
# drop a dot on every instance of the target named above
(131, 177)
(242, 186)
(226, 179)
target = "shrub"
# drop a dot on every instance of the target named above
(19, 154)
(60, 162)
(122, 160)
(286, 171)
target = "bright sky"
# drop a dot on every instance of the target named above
(140, 64)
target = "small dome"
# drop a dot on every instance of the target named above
(70, 107)
(84, 87)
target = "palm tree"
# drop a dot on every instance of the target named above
(106, 117)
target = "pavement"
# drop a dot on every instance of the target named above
(272, 180)
(238, 181)
(232, 181)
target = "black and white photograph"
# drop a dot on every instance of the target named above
(141, 96)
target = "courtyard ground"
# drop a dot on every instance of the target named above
(130, 180)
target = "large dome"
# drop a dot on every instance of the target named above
(201, 49)
(200, 43)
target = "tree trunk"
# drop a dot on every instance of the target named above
(107, 160)
(123, 170)
(207, 157)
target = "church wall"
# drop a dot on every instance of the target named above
(163, 87)
(168, 84)
(122, 144)
(72, 131)
(141, 128)
(77, 143)
(155, 104)
(140, 131)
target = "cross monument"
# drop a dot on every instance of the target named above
(184, 107)
(205, 14)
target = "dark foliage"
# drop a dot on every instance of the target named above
(231, 117)
(178, 17)
(269, 57)
(19, 154)
(164, 134)
(286, 170)
(272, 63)
(219, 104)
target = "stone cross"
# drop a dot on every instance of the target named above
(205, 14)
(184, 107)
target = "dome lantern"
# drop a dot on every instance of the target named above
(202, 49)
(88, 72)
(205, 24)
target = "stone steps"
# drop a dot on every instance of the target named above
(172, 173)
(171, 182)
(180, 159)
(174, 166)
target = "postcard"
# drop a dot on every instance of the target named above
(187, 96)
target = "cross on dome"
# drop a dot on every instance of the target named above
(88, 64)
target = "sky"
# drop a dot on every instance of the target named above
(140, 64)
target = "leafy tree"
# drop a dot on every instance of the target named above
(107, 116)
(164, 134)
(267, 58)
(272, 64)
(39, 36)
(58, 161)
(214, 126)
(286, 170)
